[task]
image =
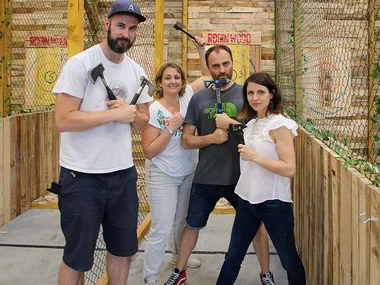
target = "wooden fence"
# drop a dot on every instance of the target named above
(328, 203)
(29, 146)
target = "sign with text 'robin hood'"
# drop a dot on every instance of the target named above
(232, 38)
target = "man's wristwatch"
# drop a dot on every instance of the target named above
(170, 131)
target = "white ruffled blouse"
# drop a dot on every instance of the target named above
(257, 184)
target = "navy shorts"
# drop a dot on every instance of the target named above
(203, 198)
(90, 200)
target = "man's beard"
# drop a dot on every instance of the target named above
(112, 43)
(223, 75)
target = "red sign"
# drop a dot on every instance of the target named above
(36, 41)
(229, 38)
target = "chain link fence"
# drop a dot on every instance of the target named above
(327, 65)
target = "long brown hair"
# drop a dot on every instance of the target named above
(264, 79)
(158, 79)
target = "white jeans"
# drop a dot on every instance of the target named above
(169, 200)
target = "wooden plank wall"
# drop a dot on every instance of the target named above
(328, 200)
(233, 16)
(29, 151)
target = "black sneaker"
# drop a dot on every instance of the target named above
(267, 279)
(177, 277)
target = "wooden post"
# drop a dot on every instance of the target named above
(2, 171)
(75, 27)
(184, 36)
(298, 60)
(5, 51)
(159, 35)
(372, 153)
(374, 261)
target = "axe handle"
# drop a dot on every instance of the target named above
(189, 35)
(218, 99)
(137, 95)
(241, 137)
(110, 94)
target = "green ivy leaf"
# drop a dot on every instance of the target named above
(374, 119)
(377, 107)
(376, 71)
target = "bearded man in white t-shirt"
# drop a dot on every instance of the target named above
(98, 177)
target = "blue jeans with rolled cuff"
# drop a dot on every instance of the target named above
(278, 219)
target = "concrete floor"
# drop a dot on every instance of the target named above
(31, 251)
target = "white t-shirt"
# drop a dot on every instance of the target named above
(106, 148)
(257, 184)
(174, 160)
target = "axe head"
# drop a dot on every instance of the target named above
(237, 129)
(208, 83)
(179, 26)
(96, 72)
(143, 82)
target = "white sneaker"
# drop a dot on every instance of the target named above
(151, 282)
(191, 263)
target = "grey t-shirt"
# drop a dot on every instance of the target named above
(218, 163)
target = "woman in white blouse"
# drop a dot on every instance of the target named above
(267, 163)
(169, 168)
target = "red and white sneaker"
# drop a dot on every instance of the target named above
(177, 277)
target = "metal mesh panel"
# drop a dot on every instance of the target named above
(172, 37)
(39, 50)
(328, 69)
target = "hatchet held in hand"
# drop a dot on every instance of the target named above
(96, 72)
(143, 82)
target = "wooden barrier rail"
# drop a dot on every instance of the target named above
(335, 246)
(29, 150)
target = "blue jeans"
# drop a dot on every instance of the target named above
(203, 199)
(278, 219)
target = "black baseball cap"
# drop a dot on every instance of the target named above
(126, 6)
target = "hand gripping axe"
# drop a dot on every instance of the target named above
(217, 83)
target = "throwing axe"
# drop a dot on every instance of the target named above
(98, 72)
(143, 82)
(238, 130)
